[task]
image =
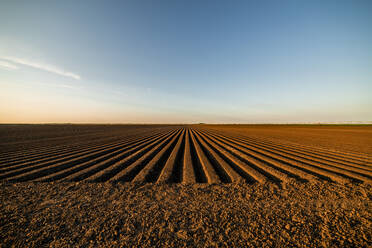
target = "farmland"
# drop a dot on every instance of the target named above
(175, 154)
(265, 169)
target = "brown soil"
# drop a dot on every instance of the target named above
(268, 185)
(176, 215)
(348, 138)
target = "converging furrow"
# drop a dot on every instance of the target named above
(181, 154)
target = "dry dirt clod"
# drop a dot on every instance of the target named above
(182, 234)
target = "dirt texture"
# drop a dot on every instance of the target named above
(185, 185)
(176, 215)
(347, 138)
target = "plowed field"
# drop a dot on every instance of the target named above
(178, 155)
(274, 160)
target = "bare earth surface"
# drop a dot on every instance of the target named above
(347, 138)
(201, 185)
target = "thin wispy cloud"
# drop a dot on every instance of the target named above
(38, 65)
(8, 66)
(67, 86)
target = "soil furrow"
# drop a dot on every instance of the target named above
(47, 156)
(69, 161)
(107, 159)
(268, 172)
(231, 175)
(176, 154)
(305, 173)
(237, 165)
(220, 171)
(340, 176)
(357, 166)
(348, 154)
(126, 157)
(240, 166)
(188, 174)
(149, 172)
(68, 157)
(41, 151)
(210, 173)
(45, 171)
(169, 173)
(341, 156)
(283, 167)
(63, 150)
(126, 173)
(351, 174)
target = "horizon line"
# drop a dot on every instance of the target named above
(196, 123)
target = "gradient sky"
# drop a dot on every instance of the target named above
(185, 61)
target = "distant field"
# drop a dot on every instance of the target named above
(188, 154)
(345, 138)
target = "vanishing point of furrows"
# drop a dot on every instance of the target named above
(185, 185)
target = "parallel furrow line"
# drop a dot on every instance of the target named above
(361, 165)
(88, 136)
(68, 158)
(283, 167)
(208, 169)
(70, 151)
(127, 171)
(352, 168)
(338, 175)
(232, 175)
(168, 171)
(240, 166)
(352, 174)
(41, 149)
(318, 150)
(106, 160)
(188, 174)
(75, 149)
(44, 171)
(221, 173)
(269, 172)
(200, 176)
(92, 172)
(167, 153)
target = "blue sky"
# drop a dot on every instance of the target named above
(185, 61)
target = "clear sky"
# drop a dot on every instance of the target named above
(185, 61)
